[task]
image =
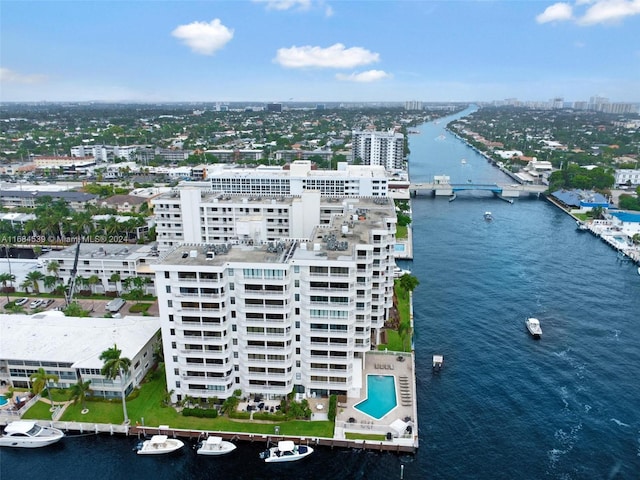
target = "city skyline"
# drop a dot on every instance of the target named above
(315, 51)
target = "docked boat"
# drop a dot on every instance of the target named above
(533, 325)
(582, 226)
(488, 216)
(399, 272)
(286, 451)
(28, 434)
(159, 444)
(215, 446)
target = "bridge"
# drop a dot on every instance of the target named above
(504, 191)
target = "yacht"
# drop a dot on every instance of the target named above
(215, 446)
(286, 451)
(533, 325)
(159, 444)
(28, 434)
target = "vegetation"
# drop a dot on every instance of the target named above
(116, 366)
(40, 381)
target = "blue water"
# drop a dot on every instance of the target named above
(3, 400)
(505, 406)
(398, 247)
(381, 396)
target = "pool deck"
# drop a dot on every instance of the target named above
(407, 243)
(350, 419)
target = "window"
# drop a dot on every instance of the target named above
(168, 287)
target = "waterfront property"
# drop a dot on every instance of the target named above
(381, 395)
(70, 347)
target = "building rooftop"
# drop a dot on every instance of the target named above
(107, 251)
(53, 337)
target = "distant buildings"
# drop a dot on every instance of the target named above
(627, 177)
(413, 105)
(378, 148)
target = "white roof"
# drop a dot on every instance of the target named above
(399, 426)
(20, 426)
(51, 336)
(286, 445)
(158, 439)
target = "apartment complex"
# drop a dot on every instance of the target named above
(378, 148)
(242, 205)
(70, 348)
(272, 295)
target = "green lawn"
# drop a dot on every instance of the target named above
(40, 410)
(402, 231)
(147, 408)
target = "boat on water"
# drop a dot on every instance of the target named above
(159, 444)
(28, 434)
(286, 451)
(215, 446)
(399, 272)
(488, 216)
(533, 325)
(582, 226)
(638, 270)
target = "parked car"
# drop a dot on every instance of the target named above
(35, 304)
(21, 301)
(47, 302)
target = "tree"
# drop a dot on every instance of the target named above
(80, 391)
(40, 381)
(26, 285)
(4, 278)
(116, 366)
(92, 281)
(35, 276)
(408, 282)
(53, 267)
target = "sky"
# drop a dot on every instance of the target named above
(319, 50)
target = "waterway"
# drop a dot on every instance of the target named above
(505, 406)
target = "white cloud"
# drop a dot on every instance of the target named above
(364, 77)
(285, 4)
(335, 56)
(556, 13)
(609, 11)
(590, 12)
(10, 76)
(202, 37)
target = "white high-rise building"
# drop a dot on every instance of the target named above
(237, 205)
(378, 148)
(285, 294)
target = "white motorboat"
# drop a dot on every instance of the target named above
(488, 216)
(28, 434)
(215, 446)
(533, 325)
(159, 444)
(286, 451)
(582, 226)
(399, 272)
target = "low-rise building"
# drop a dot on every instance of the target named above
(70, 348)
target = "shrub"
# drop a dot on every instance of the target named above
(200, 412)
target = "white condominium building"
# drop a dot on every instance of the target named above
(378, 148)
(290, 297)
(254, 205)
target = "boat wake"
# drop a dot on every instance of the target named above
(619, 423)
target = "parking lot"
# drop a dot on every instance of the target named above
(96, 307)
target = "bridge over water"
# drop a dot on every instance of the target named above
(504, 191)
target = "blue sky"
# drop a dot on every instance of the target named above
(324, 50)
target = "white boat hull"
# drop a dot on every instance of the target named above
(277, 455)
(169, 445)
(28, 434)
(221, 448)
(533, 325)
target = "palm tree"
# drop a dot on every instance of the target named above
(26, 285)
(40, 381)
(116, 366)
(4, 278)
(53, 267)
(49, 282)
(35, 276)
(92, 281)
(80, 391)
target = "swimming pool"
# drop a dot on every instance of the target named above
(3, 400)
(398, 247)
(381, 396)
